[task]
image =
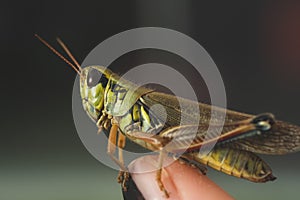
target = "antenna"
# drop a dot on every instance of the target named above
(78, 70)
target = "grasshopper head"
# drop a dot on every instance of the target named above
(93, 81)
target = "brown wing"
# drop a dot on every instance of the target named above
(281, 138)
(187, 115)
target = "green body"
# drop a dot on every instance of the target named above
(105, 97)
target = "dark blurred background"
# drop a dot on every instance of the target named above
(255, 44)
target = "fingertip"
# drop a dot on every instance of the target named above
(181, 181)
(190, 183)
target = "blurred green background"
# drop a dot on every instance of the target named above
(255, 44)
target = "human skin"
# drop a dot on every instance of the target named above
(182, 181)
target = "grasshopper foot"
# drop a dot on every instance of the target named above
(123, 177)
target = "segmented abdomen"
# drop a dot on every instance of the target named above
(239, 163)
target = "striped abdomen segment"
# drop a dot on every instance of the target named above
(239, 163)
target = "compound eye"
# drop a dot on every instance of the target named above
(93, 77)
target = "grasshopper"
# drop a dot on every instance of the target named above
(114, 106)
